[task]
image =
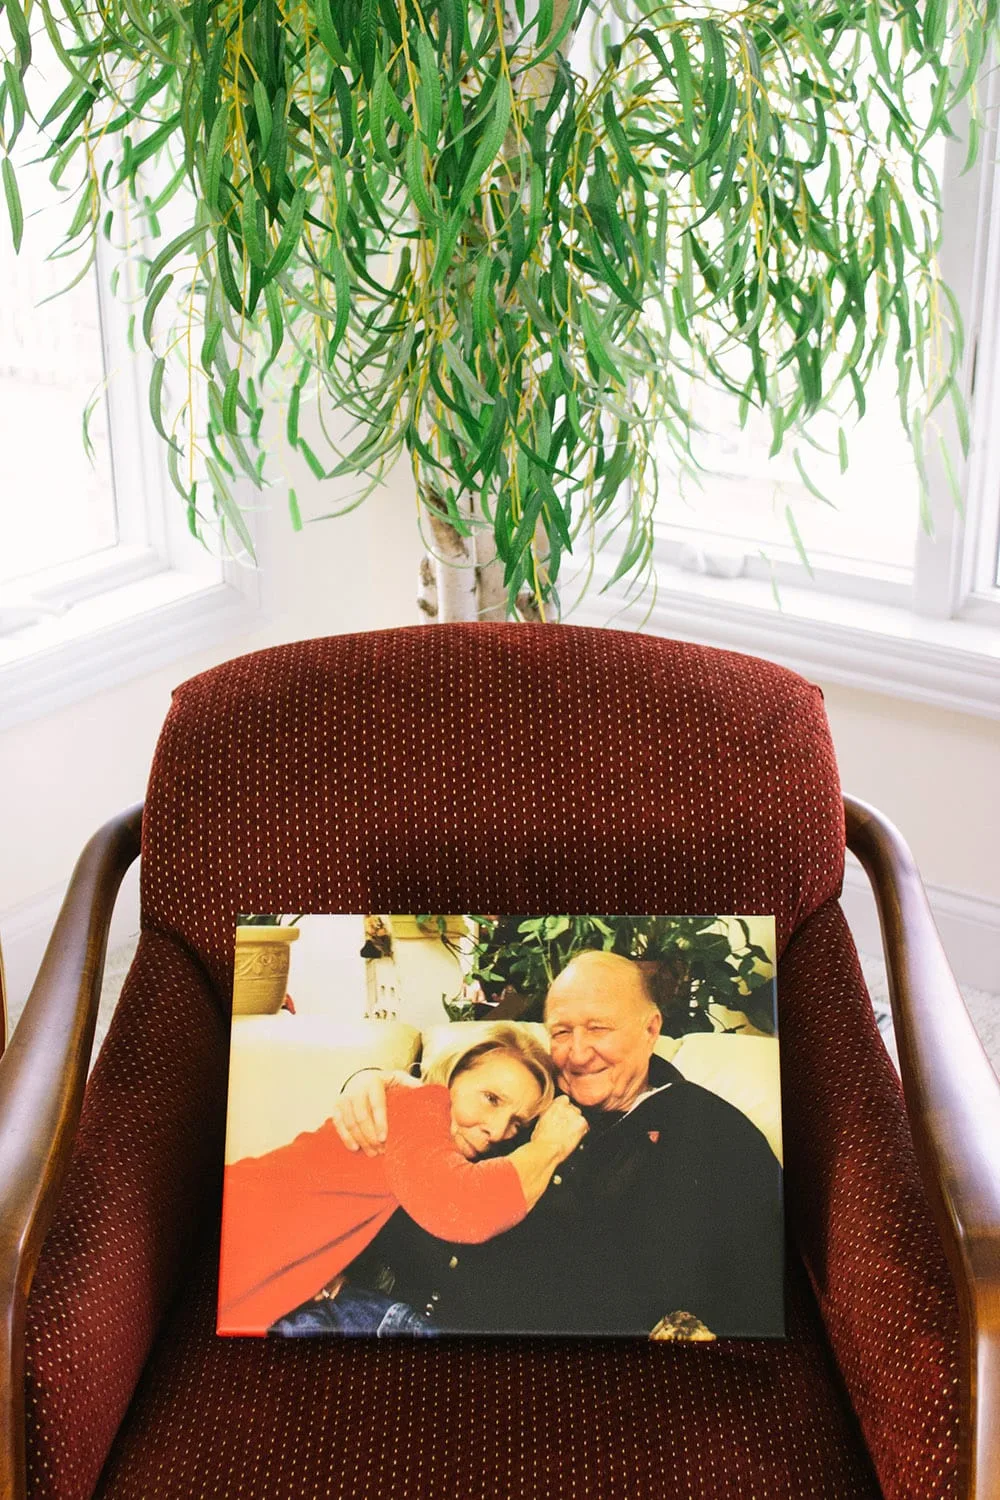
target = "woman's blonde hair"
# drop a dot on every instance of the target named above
(506, 1038)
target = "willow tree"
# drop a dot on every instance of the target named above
(419, 218)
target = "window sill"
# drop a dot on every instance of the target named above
(53, 590)
(117, 635)
(881, 648)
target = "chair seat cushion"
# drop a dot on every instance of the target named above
(254, 1419)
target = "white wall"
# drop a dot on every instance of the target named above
(935, 774)
(329, 979)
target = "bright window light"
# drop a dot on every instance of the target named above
(873, 517)
(58, 503)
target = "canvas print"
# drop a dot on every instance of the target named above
(512, 1124)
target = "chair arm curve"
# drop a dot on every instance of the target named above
(953, 1103)
(43, 1074)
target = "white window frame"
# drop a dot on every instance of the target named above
(936, 641)
(951, 582)
(154, 596)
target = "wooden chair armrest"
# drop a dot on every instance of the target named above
(43, 1074)
(953, 1103)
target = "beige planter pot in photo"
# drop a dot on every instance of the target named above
(407, 927)
(260, 977)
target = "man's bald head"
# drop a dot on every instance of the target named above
(615, 976)
(603, 1024)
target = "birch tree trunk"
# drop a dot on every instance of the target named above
(448, 569)
(464, 581)
(461, 577)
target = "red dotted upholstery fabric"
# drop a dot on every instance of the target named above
(487, 767)
(856, 1207)
(487, 1420)
(520, 767)
(146, 1162)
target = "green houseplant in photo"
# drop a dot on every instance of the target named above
(693, 964)
(428, 229)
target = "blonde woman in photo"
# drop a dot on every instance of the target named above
(293, 1219)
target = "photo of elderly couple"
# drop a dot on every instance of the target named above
(513, 1125)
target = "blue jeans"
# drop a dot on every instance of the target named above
(354, 1310)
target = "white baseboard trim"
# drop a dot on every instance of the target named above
(25, 931)
(969, 927)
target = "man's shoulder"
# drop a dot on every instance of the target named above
(661, 1071)
(692, 1129)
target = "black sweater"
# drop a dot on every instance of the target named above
(675, 1206)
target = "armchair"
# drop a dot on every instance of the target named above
(494, 767)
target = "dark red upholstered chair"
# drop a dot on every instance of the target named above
(503, 768)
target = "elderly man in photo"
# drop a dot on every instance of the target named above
(667, 1216)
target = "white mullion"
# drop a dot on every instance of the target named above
(148, 500)
(135, 513)
(941, 577)
(138, 468)
(983, 496)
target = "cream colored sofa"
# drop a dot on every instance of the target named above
(286, 1071)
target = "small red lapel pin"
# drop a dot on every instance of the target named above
(654, 1136)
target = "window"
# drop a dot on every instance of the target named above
(859, 593)
(741, 522)
(59, 507)
(756, 514)
(92, 540)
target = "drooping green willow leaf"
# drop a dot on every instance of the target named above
(15, 213)
(427, 220)
(156, 395)
(153, 301)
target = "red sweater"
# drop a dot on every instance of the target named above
(291, 1220)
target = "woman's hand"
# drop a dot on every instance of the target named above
(359, 1114)
(557, 1133)
(561, 1128)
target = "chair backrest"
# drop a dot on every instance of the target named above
(489, 767)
